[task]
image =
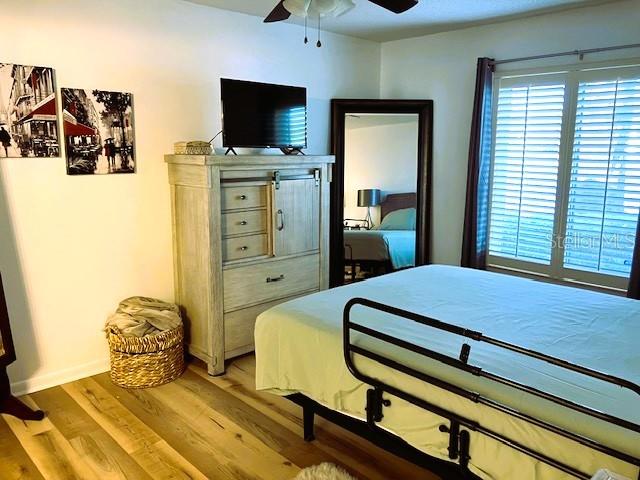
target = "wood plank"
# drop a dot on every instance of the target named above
(270, 432)
(106, 458)
(161, 461)
(157, 458)
(347, 448)
(124, 427)
(370, 461)
(198, 427)
(15, 463)
(179, 435)
(51, 452)
(227, 438)
(101, 452)
(63, 412)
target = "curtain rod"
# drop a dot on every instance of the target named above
(579, 53)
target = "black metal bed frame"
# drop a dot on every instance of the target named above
(459, 426)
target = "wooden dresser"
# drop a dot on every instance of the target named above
(249, 232)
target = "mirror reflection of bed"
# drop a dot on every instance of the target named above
(384, 248)
(380, 179)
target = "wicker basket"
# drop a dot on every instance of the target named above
(140, 362)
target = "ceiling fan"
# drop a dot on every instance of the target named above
(325, 8)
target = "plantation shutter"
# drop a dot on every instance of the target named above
(525, 169)
(604, 190)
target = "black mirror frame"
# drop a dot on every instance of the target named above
(424, 110)
(5, 331)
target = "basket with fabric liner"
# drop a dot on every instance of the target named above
(149, 361)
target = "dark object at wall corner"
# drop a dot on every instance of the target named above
(8, 403)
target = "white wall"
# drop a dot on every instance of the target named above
(72, 247)
(381, 151)
(442, 67)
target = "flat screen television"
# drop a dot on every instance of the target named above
(263, 115)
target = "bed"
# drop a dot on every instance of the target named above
(389, 249)
(420, 384)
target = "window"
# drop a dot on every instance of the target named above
(525, 171)
(565, 189)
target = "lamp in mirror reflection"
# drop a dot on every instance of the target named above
(369, 197)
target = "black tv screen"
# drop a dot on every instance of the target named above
(263, 115)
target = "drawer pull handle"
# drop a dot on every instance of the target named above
(243, 222)
(242, 197)
(275, 279)
(244, 249)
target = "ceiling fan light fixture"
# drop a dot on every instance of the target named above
(342, 7)
(318, 8)
(297, 7)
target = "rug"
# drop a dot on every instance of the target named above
(324, 471)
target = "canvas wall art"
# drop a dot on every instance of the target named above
(28, 117)
(98, 131)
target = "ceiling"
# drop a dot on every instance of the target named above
(372, 22)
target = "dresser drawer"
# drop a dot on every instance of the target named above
(244, 197)
(244, 222)
(244, 247)
(239, 327)
(244, 286)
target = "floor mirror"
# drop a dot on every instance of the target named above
(381, 187)
(8, 403)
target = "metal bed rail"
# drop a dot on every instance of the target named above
(459, 439)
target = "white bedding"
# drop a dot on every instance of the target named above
(398, 246)
(299, 349)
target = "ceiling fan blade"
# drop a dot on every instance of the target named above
(396, 6)
(278, 14)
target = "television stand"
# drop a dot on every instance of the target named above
(292, 151)
(230, 149)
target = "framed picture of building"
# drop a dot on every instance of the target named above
(28, 116)
(98, 131)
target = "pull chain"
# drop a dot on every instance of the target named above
(306, 39)
(319, 44)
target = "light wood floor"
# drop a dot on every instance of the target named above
(198, 427)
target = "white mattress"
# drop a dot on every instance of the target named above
(398, 246)
(299, 349)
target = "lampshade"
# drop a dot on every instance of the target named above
(368, 197)
(315, 8)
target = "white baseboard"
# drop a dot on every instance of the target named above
(53, 379)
